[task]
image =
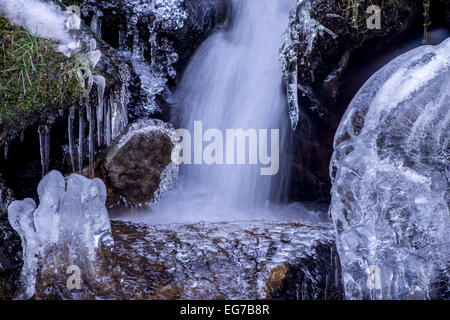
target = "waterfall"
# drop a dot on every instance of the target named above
(234, 81)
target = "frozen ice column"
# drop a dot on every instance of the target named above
(67, 240)
(390, 173)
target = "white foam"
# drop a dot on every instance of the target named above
(42, 19)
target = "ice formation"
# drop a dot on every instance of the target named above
(153, 72)
(234, 260)
(302, 29)
(70, 227)
(44, 145)
(390, 172)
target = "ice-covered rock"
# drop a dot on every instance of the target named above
(137, 44)
(66, 240)
(230, 260)
(390, 172)
(156, 38)
(138, 166)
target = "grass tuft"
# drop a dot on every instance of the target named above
(35, 79)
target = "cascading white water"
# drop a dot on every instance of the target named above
(234, 81)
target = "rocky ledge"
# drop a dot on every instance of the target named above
(233, 260)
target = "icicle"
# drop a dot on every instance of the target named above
(94, 56)
(136, 46)
(70, 123)
(101, 83)
(114, 119)
(44, 143)
(80, 139)
(6, 150)
(122, 36)
(108, 125)
(96, 24)
(90, 139)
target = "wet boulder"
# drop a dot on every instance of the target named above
(138, 165)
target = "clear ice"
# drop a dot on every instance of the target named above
(69, 227)
(390, 173)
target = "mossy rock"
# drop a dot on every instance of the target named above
(35, 79)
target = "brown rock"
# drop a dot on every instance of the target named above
(136, 160)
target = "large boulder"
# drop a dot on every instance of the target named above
(138, 165)
(10, 259)
(391, 181)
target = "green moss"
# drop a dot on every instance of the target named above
(35, 79)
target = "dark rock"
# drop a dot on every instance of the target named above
(335, 70)
(10, 247)
(10, 259)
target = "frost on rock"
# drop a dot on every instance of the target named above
(150, 53)
(68, 233)
(390, 173)
(138, 164)
(302, 30)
